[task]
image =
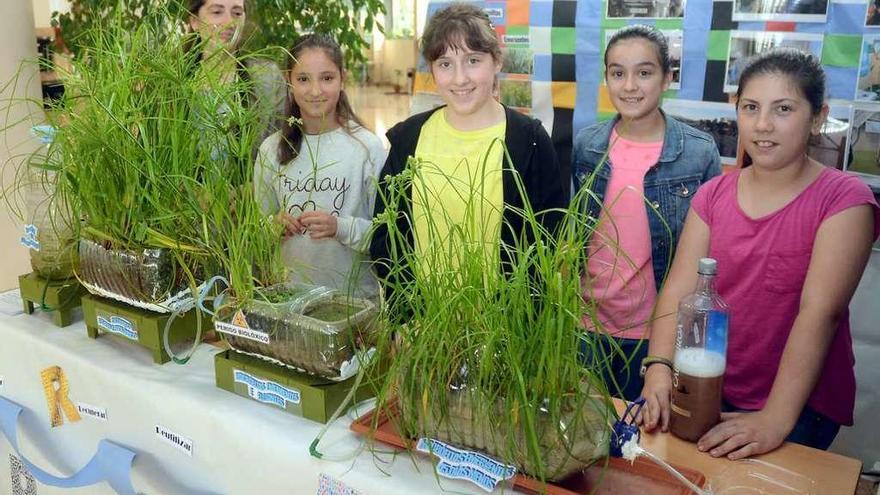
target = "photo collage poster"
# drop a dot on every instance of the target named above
(555, 49)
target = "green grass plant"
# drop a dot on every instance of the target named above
(516, 93)
(157, 150)
(507, 342)
(140, 125)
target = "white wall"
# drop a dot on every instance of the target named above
(43, 10)
(389, 55)
(398, 54)
(17, 42)
(862, 441)
(42, 13)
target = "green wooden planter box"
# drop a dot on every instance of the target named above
(62, 296)
(104, 316)
(296, 393)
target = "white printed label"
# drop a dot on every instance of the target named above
(92, 411)
(245, 333)
(475, 467)
(180, 442)
(516, 39)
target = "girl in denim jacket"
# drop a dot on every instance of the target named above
(642, 168)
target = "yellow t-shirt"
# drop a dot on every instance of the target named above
(457, 193)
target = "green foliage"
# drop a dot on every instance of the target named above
(271, 23)
(158, 152)
(486, 359)
(244, 242)
(139, 126)
(517, 94)
(518, 61)
(278, 22)
(87, 16)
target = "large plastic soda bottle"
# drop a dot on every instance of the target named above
(49, 233)
(700, 357)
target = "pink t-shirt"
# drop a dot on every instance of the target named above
(619, 279)
(762, 264)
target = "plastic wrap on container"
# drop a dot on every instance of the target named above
(145, 279)
(756, 477)
(312, 329)
(568, 445)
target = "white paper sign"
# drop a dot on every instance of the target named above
(95, 412)
(245, 333)
(180, 442)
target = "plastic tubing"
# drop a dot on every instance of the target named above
(313, 448)
(632, 450)
(166, 344)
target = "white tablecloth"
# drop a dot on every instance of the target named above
(239, 446)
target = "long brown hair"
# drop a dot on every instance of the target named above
(289, 146)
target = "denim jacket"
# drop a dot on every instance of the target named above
(689, 158)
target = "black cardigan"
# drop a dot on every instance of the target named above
(546, 182)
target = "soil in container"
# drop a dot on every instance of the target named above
(331, 312)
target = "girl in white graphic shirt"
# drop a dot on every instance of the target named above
(318, 173)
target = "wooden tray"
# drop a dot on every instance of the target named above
(614, 477)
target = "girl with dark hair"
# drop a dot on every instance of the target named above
(318, 173)
(218, 26)
(462, 160)
(643, 167)
(218, 22)
(791, 238)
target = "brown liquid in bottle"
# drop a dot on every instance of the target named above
(696, 398)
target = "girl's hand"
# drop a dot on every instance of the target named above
(320, 224)
(741, 435)
(292, 225)
(657, 393)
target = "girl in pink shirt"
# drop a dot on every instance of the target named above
(792, 238)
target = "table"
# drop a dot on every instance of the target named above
(833, 473)
(238, 446)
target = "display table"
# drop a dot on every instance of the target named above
(238, 446)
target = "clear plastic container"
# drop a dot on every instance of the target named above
(148, 279)
(569, 443)
(314, 329)
(754, 477)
